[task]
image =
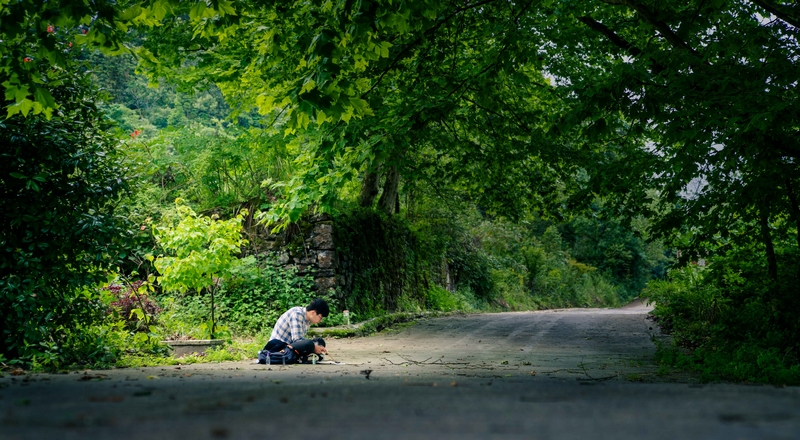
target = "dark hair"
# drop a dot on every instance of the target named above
(318, 341)
(320, 306)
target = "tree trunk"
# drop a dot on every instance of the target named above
(213, 320)
(390, 187)
(795, 214)
(369, 189)
(795, 208)
(772, 262)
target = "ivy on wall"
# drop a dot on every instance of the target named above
(380, 260)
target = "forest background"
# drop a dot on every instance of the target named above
(485, 155)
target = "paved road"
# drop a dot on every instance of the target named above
(567, 374)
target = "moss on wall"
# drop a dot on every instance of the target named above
(380, 260)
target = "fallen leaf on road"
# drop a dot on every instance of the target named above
(17, 372)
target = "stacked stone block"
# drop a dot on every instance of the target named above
(307, 246)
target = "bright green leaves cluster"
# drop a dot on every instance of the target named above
(200, 250)
(310, 61)
(40, 39)
(326, 168)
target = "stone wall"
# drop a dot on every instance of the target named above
(307, 246)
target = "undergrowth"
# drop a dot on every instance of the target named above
(730, 321)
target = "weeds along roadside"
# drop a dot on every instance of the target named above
(730, 321)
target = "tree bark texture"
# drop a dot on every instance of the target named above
(390, 187)
(772, 261)
(369, 189)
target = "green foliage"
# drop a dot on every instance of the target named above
(730, 321)
(250, 301)
(42, 34)
(150, 107)
(99, 343)
(212, 168)
(376, 324)
(60, 181)
(442, 300)
(238, 349)
(534, 266)
(200, 250)
(620, 254)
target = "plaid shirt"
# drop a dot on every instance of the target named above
(291, 326)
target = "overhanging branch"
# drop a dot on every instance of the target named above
(611, 35)
(651, 18)
(776, 10)
(419, 39)
(617, 40)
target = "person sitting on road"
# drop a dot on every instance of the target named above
(293, 325)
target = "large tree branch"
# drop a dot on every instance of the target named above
(611, 35)
(775, 10)
(651, 18)
(419, 39)
(617, 40)
(518, 121)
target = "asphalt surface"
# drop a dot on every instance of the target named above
(566, 374)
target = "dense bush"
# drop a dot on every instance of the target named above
(533, 268)
(60, 180)
(250, 302)
(381, 260)
(730, 320)
(134, 306)
(619, 253)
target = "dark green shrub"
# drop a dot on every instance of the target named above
(381, 260)
(730, 320)
(59, 180)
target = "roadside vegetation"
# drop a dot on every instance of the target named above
(467, 162)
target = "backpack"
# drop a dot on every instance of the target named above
(283, 357)
(297, 354)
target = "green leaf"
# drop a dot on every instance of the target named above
(45, 98)
(197, 11)
(24, 106)
(130, 13)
